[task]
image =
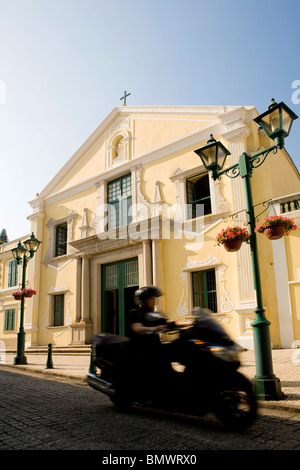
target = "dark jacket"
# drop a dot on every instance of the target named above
(148, 319)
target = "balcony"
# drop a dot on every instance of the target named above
(288, 205)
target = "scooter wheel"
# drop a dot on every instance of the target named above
(236, 405)
(121, 402)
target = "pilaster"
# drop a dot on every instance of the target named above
(34, 275)
(82, 327)
(147, 263)
(157, 269)
(282, 290)
(236, 135)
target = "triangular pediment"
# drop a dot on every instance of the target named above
(130, 133)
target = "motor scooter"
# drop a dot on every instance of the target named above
(197, 374)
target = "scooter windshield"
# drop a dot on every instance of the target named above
(211, 331)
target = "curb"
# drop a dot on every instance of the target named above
(279, 405)
(45, 373)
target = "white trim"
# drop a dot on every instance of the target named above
(193, 265)
(58, 268)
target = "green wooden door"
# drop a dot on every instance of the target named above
(119, 280)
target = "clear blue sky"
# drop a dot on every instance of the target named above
(65, 64)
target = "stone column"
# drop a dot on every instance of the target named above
(33, 274)
(147, 264)
(101, 216)
(157, 269)
(82, 327)
(78, 289)
(236, 137)
(85, 289)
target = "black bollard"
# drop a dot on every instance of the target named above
(92, 368)
(49, 364)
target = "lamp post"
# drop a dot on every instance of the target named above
(22, 254)
(276, 122)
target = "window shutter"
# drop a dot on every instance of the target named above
(12, 273)
(190, 198)
(9, 319)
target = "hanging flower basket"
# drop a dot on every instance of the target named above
(275, 227)
(233, 245)
(28, 292)
(232, 238)
(275, 232)
(17, 295)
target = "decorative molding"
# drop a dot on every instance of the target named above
(226, 303)
(157, 198)
(60, 264)
(221, 205)
(218, 203)
(58, 330)
(182, 175)
(121, 122)
(84, 224)
(182, 307)
(193, 265)
(58, 290)
(51, 224)
(145, 208)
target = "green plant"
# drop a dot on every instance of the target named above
(230, 233)
(276, 220)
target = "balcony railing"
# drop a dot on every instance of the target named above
(287, 204)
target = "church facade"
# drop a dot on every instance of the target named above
(134, 206)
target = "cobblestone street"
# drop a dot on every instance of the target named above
(43, 414)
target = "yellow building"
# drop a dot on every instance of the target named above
(121, 213)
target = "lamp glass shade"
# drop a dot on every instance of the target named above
(277, 121)
(213, 155)
(287, 121)
(19, 251)
(222, 154)
(209, 155)
(271, 122)
(32, 244)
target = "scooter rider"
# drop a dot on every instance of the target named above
(145, 323)
(144, 320)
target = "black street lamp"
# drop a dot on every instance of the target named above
(276, 122)
(20, 254)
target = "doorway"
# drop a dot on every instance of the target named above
(119, 281)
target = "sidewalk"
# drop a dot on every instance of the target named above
(75, 366)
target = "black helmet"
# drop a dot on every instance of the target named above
(144, 293)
